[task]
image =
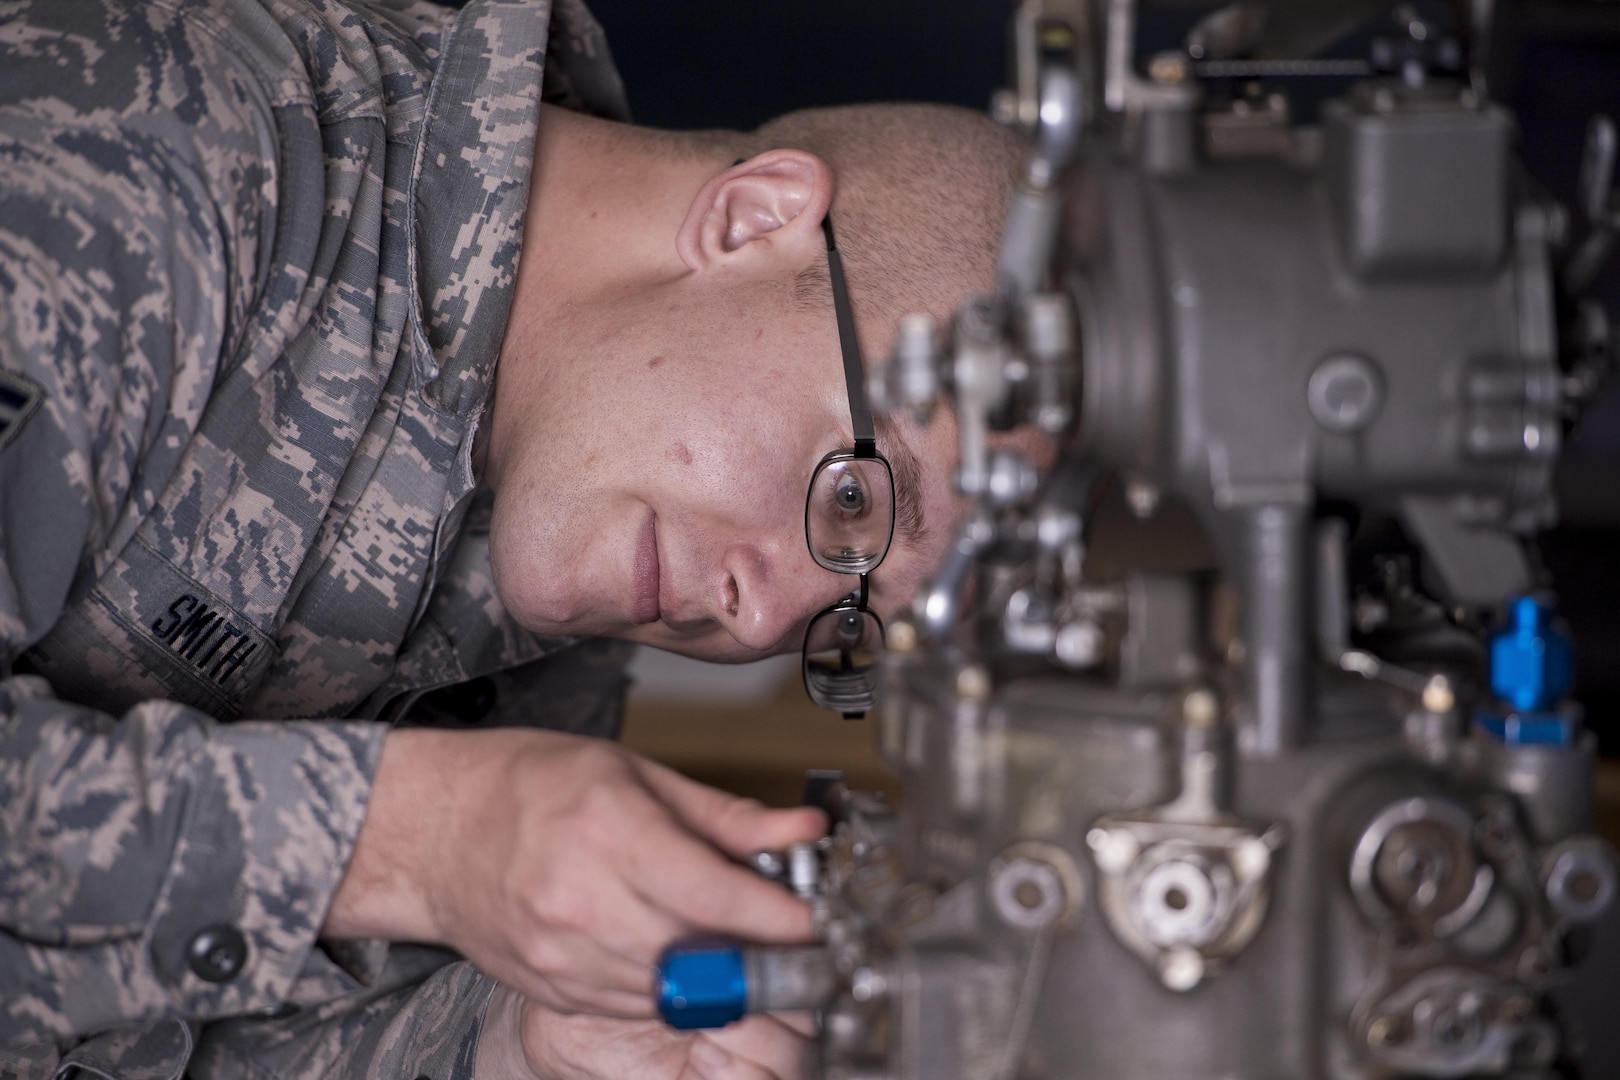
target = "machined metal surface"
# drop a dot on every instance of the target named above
(1309, 812)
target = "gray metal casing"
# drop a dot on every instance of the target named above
(1251, 851)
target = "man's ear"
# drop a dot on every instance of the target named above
(768, 205)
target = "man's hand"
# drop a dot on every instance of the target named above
(560, 865)
(525, 1041)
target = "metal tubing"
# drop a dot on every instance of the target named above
(1027, 237)
(784, 979)
(1276, 632)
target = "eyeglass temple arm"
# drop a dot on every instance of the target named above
(860, 412)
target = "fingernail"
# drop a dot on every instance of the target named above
(710, 1055)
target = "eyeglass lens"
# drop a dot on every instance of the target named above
(849, 518)
(840, 650)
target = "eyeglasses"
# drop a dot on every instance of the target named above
(848, 523)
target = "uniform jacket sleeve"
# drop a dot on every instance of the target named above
(138, 235)
(422, 1016)
(129, 843)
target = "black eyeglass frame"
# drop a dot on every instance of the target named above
(865, 448)
(852, 708)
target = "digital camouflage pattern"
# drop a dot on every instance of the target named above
(256, 258)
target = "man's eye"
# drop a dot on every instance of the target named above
(849, 496)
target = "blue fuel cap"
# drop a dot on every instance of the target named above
(702, 985)
(1532, 661)
(1532, 665)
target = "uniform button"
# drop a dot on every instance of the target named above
(217, 953)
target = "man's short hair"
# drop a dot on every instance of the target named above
(919, 196)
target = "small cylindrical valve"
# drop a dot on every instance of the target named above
(1049, 339)
(702, 985)
(709, 983)
(911, 378)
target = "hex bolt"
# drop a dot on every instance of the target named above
(1079, 644)
(1582, 882)
(1028, 894)
(1011, 479)
(1055, 528)
(1200, 708)
(1252, 857)
(973, 683)
(1583, 885)
(1113, 851)
(1495, 837)
(867, 985)
(1142, 497)
(1181, 969)
(1457, 1025)
(1438, 695)
(1053, 418)
(1388, 1031)
(1004, 107)
(911, 377)
(1178, 903)
(1345, 393)
(1518, 1007)
(1169, 69)
(769, 864)
(804, 871)
(1533, 962)
(1048, 329)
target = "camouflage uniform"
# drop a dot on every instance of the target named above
(256, 258)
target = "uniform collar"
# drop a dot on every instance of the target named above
(469, 189)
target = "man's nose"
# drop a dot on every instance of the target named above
(773, 593)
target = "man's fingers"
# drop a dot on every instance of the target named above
(572, 972)
(710, 1061)
(579, 1047)
(708, 892)
(735, 825)
(568, 997)
(799, 1020)
(754, 1048)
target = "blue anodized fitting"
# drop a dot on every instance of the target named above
(1532, 668)
(702, 985)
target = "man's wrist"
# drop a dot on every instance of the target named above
(500, 1041)
(386, 887)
